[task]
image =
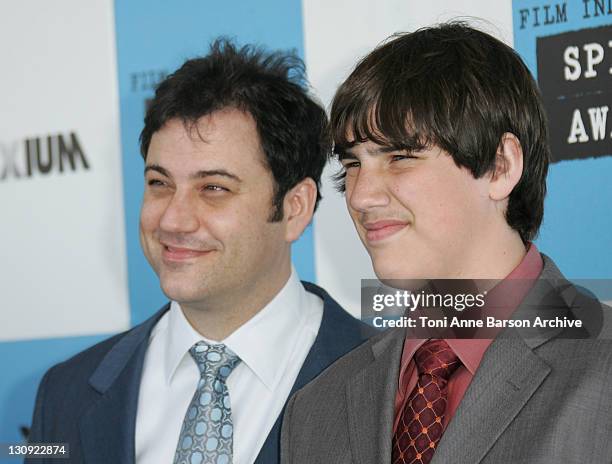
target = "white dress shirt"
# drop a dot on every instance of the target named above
(272, 347)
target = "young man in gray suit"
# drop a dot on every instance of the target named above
(443, 141)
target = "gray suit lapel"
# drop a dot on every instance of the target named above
(508, 376)
(371, 399)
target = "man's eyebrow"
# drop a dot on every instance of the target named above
(381, 150)
(197, 175)
(344, 154)
(216, 172)
(156, 168)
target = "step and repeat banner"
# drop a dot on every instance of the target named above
(63, 266)
(568, 47)
(76, 78)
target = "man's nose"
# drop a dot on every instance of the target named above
(366, 190)
(180, 214)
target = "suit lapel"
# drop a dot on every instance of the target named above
(318, 359)
(371, 400)
(329, 345)
(508, 376)
(108, 427)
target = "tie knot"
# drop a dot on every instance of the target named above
(435, 357)
(214, 360)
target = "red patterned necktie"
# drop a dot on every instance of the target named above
(421, 423)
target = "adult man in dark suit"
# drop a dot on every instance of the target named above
(443, 142)
(234, 149)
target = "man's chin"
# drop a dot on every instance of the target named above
(398, 276)
(385, 272)
(179, 293)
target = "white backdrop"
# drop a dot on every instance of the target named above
(62, 252)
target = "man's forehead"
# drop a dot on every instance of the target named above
(401, 132)
(220, 120)
(353, 134)
(196, 149)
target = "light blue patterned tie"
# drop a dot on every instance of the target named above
(207, 433)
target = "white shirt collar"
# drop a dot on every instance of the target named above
(263, 343)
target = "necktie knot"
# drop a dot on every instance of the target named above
(217, 361)
(436, 358)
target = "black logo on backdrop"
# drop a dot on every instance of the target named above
(41, 156)
(543, 15)
(575, 77)
(145, 81)
(548, 14)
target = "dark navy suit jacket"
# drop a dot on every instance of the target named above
(90, 401)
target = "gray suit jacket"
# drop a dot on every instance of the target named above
(546, 399)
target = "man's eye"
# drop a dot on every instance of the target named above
(402, 157)
(351, 164)
(155, 182)
(214, 188)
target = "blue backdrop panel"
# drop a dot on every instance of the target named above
(24, 363)
(577, 218)
(153, 39)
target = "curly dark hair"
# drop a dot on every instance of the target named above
(271, 86)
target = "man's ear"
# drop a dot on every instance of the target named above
(298, 207)
(508, 167)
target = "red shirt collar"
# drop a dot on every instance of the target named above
(471, 351)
